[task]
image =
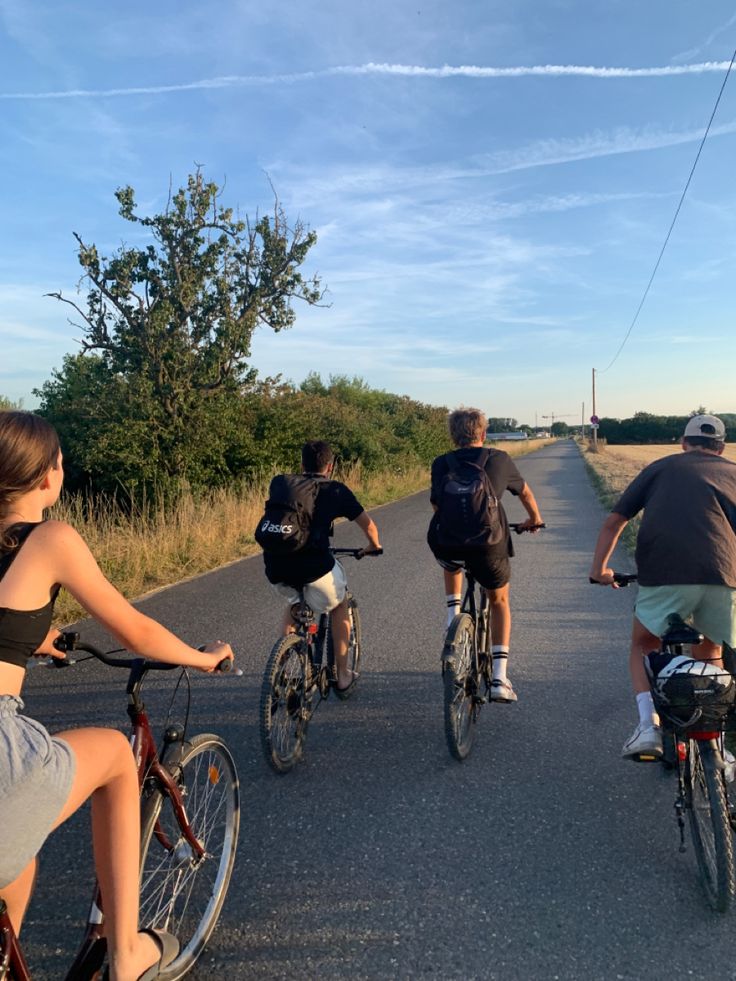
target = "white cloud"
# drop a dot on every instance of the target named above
(405, 71)
(694, 52)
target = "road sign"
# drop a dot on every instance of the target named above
(594, 425)
(594, 420)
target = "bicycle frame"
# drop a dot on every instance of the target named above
(151, 769)
(314, 633)
(480, 615)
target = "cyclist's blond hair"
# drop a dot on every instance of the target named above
(467, 426)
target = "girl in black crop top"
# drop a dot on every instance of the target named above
(37, 557)
(22, 632)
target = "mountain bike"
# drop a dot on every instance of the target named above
(300, 673)
(190, 813)
(467, 665)
(694, 747)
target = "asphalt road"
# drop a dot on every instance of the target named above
(543, 856)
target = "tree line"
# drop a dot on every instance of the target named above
(645, 427)
(162, 393)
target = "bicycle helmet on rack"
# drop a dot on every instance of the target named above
(688, 692)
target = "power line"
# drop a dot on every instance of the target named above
(672, 225)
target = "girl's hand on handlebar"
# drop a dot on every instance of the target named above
(46, 647)
(215, 653)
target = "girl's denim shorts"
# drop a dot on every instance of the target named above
(36, 776)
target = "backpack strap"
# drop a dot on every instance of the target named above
(484, 464)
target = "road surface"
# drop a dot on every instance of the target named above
(543, 856)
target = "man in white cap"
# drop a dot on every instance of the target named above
(685, 557)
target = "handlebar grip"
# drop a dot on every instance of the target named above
(621, 579)
(225, 666)
(66, 641)
(520, 531)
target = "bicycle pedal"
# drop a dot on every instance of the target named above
(479, 699)
(646, 758)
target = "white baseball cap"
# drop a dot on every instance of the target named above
(711, 427)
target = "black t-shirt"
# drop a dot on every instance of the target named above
(334, 500)
(503, 474)
(688, 529)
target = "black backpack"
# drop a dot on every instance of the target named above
(468, 511)
(286, 524)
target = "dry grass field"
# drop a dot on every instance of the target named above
(614, 467)
(618, 465)
(519, 447)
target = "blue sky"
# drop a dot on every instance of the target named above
(487, 222)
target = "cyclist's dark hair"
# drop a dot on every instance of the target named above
(316, 455)
(714, 445)
(467, 426)
(29, 448)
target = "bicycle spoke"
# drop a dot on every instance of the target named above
(460, 708)
(709, 824)
(285, 704)
(181, 891)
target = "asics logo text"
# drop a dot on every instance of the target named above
(276, 529)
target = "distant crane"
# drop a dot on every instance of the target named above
(565, 415)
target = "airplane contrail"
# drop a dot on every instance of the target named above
(371, 68)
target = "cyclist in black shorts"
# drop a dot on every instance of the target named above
(490, 565)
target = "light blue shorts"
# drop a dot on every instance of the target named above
(710, 609)
(36, 776)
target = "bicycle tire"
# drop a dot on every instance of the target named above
(460, 708)
(355, 648)
(178, 894)
(709, 824)
(285, 709)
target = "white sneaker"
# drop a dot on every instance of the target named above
(645, 745)
(729, 771)
(501, 691)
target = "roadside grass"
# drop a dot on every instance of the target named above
(610, 473)
(156, 546)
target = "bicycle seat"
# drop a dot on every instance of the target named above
(302, 613)
(679, 632)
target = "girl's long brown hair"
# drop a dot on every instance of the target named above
(29, 448)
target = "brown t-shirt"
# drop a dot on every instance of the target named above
(688, 530)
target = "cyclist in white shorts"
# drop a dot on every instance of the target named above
(313, 568)
(685, 557)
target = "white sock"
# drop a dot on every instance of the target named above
(453, 606)
(645, 705)
(500, 654)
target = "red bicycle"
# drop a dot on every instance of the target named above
(190, 814)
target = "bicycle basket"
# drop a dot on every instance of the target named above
(688, 693)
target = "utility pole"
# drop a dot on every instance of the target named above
(595, 428)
